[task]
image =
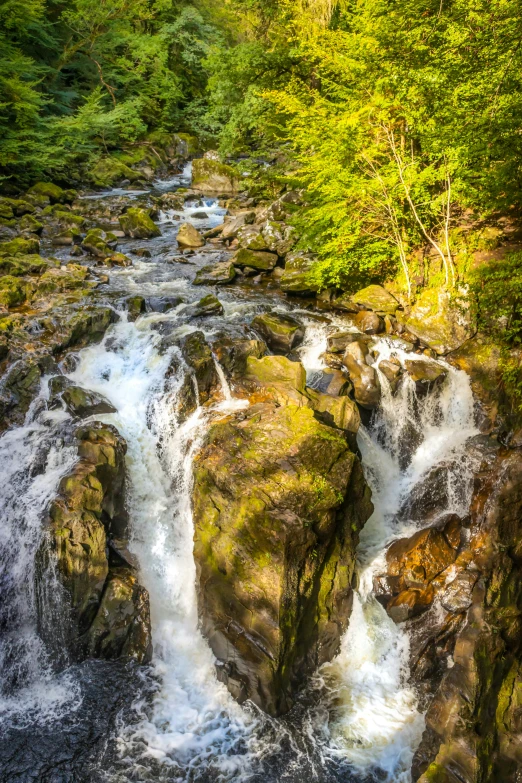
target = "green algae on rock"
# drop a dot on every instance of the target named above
(211, 176)
(138, 224)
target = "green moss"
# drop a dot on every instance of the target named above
(54, 193)
(109, 171)
(19, 247)
(18, 266)
(14, 291)
(137, 223)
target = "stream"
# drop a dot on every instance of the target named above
(172, 721)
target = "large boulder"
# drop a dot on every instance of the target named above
(211, 176)
(297, 278)
(54, 193)
(88, 511)
(82, 403)
(255, 259)
(279, 499)
(188, 236)
(251, 238)
(99, 243)
(282, 333)
(138, 224)
(366, 385)
(376, 298)
(438, 321)
(425, 374)
(369, 322)
(219, 274)
(232, 354)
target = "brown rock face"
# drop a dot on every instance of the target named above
(473, 722)
(278, 501)
(367, 389)
(104, 611)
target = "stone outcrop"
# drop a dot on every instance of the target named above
(281, 332)
(102, 610)
(279, 498)
(211, 176)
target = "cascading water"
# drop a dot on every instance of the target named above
(358, 720)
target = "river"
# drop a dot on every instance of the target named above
(358, 720)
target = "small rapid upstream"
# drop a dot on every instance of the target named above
(173, 721)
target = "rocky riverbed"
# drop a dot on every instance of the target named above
(253, 531)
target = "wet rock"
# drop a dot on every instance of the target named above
(280, 378)
(232, 354)
(138, 224)
(282, 333)
(339, 412)
(367, 389)
(417, 560)
(99, 243)
(392, 371)
(197, 354)
(188, 236)
(333, 382)
(88, 508)
(339, 341)
(14, 291)
(220, 274)
(18, 388)
(297, 277)
(83, 403)
(142, 252)
(84, 327)
(376, 298)
(121, 628)
(231, 227)
(425, 374)
(117, 259)
(457, 597)
(24, 265)
(410, 603)
(136, 306)
(162, 304)
(211, 176)
(369, 322)
(209, 305)
(255, 260)
(278, 501)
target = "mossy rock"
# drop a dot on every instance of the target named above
(252, 238)
(219, 274)
(54, 193)
(19, 247)
(109, 171)
(29, 224)
(58, 279)
(277, 495)
(136, 306)
(376, 298)
(211, 176)
(82, 402)
(281, 332)
(18, 266)
(19, 206)
(14, 291)
(264, 262)
(296, 278)
(438, 321)
(138, 224)
(96, 242)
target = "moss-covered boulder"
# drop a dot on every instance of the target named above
(54, 193)
(281, 332)
(279, 238)
(255, 259)
(188, 236)
(18, 388)
(376, 298)
(99, 243)
(136, 306)
(219, 274)
(14, 291)
(20, 247)
(278, 501)
(89, 510)
(138, 224)
(24, 265)
(211, 176)
(438, 321)
(84, 327)
(11, 207)
(336, 411)
(30, 225)
(109, 172)
(69, 278)
(251, 238)
(121, 628)
(208, 305)
(297, 278)
(82, 402)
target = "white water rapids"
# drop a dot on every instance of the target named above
(365, 718)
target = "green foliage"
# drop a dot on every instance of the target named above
(81, 79)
